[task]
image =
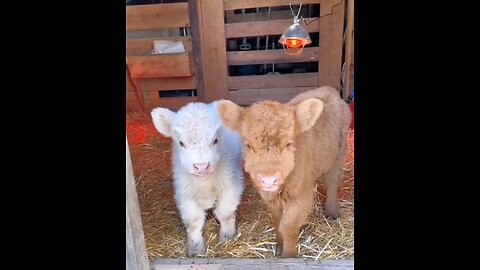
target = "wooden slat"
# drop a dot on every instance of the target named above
(271, 56)
(249, 96)
(137, 258)
(249, 17)
(331, 42)
(348, 85)
(276, 27)
(164, 65)
(170, 83)
(154, 33)
(273, 81)
(235, 4)
(145, 45)
(152, 100)
(212, 50)
(260, 264)
(144, 17)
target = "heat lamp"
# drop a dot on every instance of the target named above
(295, 37)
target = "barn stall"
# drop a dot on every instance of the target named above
(229, 49)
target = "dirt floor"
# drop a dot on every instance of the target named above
(165, 235)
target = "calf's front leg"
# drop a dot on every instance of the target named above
(294, 216)
(275, 209)
(194, 218)
(225, 213)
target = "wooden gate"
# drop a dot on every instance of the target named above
(216, 60)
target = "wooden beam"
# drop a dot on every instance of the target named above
(244, 4)
(349, 47)
(197, 48)
(161, 65)
(137, 258)
(273, 81)
(275, 27)
(270, 56)
(261, 264)
(212, 49)
(157, 16)
(154, 33)
(249, 17)
(249, 96)
(168, 83)
(331, 42)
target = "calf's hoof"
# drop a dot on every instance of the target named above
(278, 249)
(195, 248)
(332, 211)
(288, 254)
(226, 235)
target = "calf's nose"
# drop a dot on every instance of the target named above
(201, 167)
(268, 180)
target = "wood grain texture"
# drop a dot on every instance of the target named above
(145, 17)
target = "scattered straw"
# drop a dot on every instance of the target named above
(321, 238)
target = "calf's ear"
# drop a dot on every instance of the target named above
(162, 120)
(307, 113)
(230, 114)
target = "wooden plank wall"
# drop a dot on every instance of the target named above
(332, 14)
(210, 59)
(151, 74)
(281, 87)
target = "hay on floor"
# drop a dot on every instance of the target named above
(320, 238)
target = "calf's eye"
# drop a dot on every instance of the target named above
(182, 144)
(248, 146)
(215, 141)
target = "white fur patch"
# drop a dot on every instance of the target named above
(194, 129)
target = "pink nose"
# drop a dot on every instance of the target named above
(201, 167)
(268, 180)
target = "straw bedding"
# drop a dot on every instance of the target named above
(165, 236)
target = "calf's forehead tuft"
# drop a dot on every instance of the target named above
(268, 122)
(196, 120)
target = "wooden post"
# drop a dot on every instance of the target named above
(213, 55)
(331, 42)
(195, 28)
(137, 258)
(349, 52)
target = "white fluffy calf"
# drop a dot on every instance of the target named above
(207, 169)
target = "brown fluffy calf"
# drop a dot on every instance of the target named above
(286, 147)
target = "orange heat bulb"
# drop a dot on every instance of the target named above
(293, 42)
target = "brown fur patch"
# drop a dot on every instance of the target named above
(297, 142)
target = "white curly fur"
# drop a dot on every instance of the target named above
(197, 126)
